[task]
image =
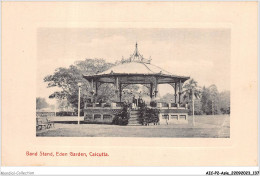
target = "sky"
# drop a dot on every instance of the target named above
(202, 54)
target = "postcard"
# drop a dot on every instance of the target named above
(129, 84)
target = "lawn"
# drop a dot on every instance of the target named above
(217, 126)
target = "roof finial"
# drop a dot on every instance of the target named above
(136, 54)
(137, 57)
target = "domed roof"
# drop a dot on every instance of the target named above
(135, 68)
(136, 65)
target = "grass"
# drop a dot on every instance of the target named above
(217, 126)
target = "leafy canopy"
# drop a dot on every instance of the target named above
(67, 80)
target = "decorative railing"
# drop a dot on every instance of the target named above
(165, 105)
(175, 105)
(45, 114)
(104, 105)
(89, 105)
(98, 105)
(118, 105)
(107, 105)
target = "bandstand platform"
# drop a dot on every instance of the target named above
(169, 113)
(136, 70)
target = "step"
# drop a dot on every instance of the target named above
(135, 112)
(133, 123)
(134, 118)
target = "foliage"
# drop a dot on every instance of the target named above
(64, 105)
(224, 102)
(41, 103)
(67, 80)
(123, 116)
(169, 97)
(214, 99)
(148, 115)
(106, 93)
(210, 100)
(191, 89)
(153, 103)
(52, 107)
(207, 99)
(134, 90)
(69, 113)
(197, 108)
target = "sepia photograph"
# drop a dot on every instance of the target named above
(133, 82)
(95, 87)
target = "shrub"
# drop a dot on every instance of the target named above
(153, 103)
(123, 116)
(69, 113)
(148, 115)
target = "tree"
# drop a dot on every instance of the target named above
(63, 105)
(214, 99)
(197, 108)
(41, 103)
(106, 93)
(169, 97)
(67, 80)
(224, 102)
(211, 100)
(205, 94)
(191, 90)
(134, 90)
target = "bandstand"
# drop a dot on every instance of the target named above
(136, 70)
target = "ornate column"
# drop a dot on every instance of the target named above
(95, 91)
(92, 90)
(116, 85)
(120, 92)
(151, 90)
(174, 86)
(180, 91)
(92, 84)
(97, 84)
(96, 88)
(155, 88)
(175, 92)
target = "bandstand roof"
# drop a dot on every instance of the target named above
(136, 69)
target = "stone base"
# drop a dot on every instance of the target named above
(106, 115)
(100, 115)
(166, 119)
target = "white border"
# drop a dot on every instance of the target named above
(123, 170)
